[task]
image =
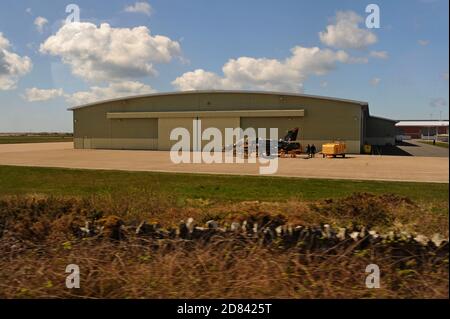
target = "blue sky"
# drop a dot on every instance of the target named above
(401, 69)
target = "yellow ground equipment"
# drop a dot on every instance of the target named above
(334, 149)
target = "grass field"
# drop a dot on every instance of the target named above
(41, 210)
(439, 144)
(34, 139)
(167, 197)
(76, 182)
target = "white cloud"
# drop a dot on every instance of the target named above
(12, 66)
(438, 102)
(39, 95)
(197, 80)
(107, 53)
(4, 42)
(40, 23)
(375, 81)
(324, 84)
(346, 32)
(113, 90)
(267, 74)
(139, 7)
(423, 42)
(379, 54)
(94, 94)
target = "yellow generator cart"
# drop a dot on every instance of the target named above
(334, 149)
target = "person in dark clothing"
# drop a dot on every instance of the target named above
(313, 150)
(308, 150)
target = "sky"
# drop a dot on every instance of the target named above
(52, 58)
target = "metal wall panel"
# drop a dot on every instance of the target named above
(165, 127)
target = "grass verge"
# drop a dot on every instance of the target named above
(34, 139)
(41, 209)
(439, 144)
(218, 188)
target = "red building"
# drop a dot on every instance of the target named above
(422, 129)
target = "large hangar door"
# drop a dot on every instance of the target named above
(195, 129)
(284, 124)
(166, 125)
(134, 134)
(220, 123)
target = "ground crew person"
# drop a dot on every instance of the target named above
(313, 150)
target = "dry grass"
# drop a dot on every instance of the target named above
(135, 270)
(385, 212)
(39, 239)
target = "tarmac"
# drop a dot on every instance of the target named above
(355, 167)
(415, 148)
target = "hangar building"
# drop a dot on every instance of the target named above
(144, 122)
(422, 129)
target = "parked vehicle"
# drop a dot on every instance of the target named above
(334, 149)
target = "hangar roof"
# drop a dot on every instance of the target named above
(422, 123)
(383, 118)
(362, 103)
